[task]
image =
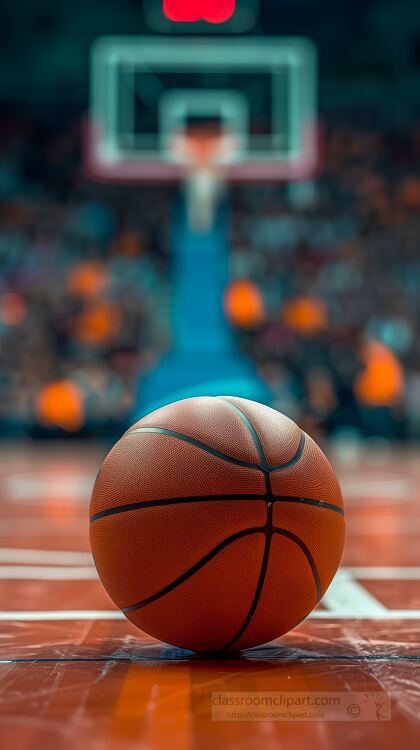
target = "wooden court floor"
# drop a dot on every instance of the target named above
(75, 674)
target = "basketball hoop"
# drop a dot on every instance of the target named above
(203, 152)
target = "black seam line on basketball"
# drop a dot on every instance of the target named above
(307, 553)
(268, 491)
(187, 500)
(212, 499)
(265, 466)
(219, 454)
(251, 429)
(194, 569)
(294, 460)
(196, 443)
(308, 501)
(256, 598)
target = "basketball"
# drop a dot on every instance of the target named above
(216, 524)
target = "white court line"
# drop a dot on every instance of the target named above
(384, 573)
(78, 568)
(70, 615)
(346, 599)
(33, 573)
(387, 614)
(377, 491)
(81, 614)
(41, 489)
(347, 596)
(77, 488)
(39, 557)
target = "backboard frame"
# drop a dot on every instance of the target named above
(105, 159)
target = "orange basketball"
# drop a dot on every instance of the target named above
(216, 524)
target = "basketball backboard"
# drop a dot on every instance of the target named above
(241, 21)
(145, 90)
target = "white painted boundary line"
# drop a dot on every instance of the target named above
(15, 562)
(82, 614)
(346, 599)
(41, 557)
(37, 490)
(33, 573)
(375, 573)
(68, 615)
(386, 614)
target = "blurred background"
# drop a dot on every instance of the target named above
(323, 297)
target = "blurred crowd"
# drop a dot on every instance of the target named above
(325, 290)
(340, 286)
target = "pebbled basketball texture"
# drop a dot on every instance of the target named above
(216, 524)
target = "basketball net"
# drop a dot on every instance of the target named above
(203, 153)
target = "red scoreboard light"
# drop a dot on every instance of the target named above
(190, 11)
